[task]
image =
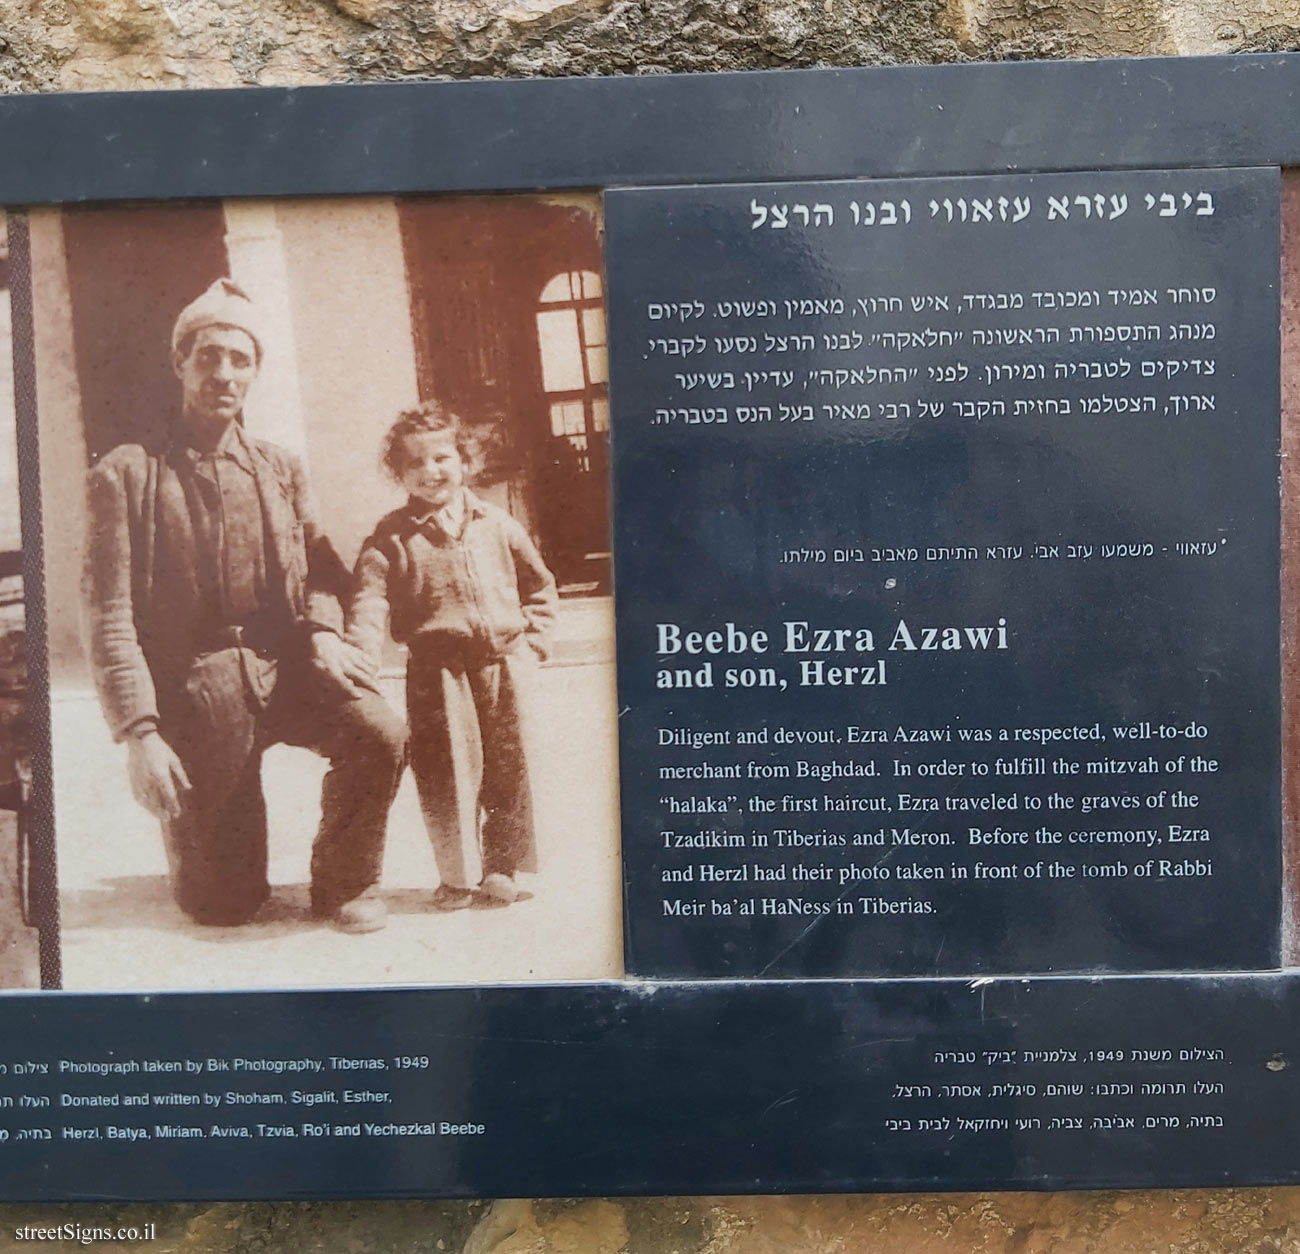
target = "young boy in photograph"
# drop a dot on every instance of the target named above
(462, 585)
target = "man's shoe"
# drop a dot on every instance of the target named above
(498, 889)
(448, 897)
(366, 913)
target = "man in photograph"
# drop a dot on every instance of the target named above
(213, 603)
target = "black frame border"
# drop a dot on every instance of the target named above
(766, 125)
(486, 136)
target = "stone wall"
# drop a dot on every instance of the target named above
(105, 45)
(1240, 1221)
(78, 45)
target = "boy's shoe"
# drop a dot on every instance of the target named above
(448, 897)
(498, 889)
(366, 913)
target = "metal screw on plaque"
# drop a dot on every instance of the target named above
(1277, 1063)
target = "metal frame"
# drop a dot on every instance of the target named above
(644, 1088)
(490, 135)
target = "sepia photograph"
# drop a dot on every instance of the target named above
(325, 491)
(19, 933)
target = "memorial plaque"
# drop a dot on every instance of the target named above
(947, 541)
(919, 480)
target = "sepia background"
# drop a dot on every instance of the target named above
(72, 45)
(491, 305)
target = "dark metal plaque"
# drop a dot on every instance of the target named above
(948, 549)
(947, 546)
(748, 1087)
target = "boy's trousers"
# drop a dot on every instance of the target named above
(468, 755)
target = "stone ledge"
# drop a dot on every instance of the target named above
(1243, 1221)
(106, 44)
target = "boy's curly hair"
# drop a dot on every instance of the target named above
(430, 418)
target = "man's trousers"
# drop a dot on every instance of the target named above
(231, 707)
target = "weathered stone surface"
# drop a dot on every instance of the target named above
(1209, 26)
(106, 44)
(1038, 28)
(1279, 38)
(1240, 1221)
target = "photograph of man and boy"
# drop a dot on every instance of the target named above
(325, 490)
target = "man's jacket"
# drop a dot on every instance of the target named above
(135, 645)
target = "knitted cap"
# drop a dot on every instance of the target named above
(224, 304)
